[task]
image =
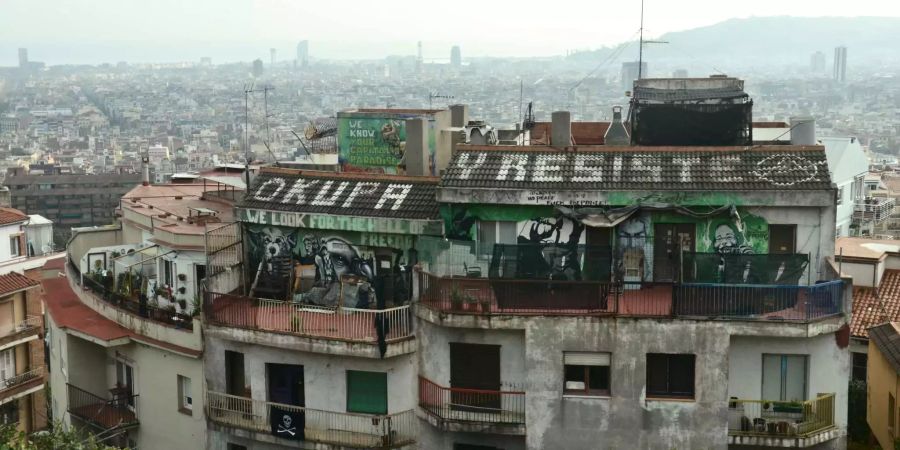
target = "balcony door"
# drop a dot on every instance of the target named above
(123, 393)
(286, 387)
(7, 364)
(669, 240)
(475, 368)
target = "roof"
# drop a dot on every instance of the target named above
(874, 306)
(611, 168)
(24, 180)
(677, 95)
(14, 281)
(583, 133)
(855, 247)
(887, 339)
(11, 215)
(347, 194)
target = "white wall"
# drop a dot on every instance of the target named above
(828, 371)
(5, 249)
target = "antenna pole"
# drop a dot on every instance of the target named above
(641, 44)
(521, 90)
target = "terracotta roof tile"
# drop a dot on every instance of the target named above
(871, 308)
(14, 281)
(887, 340)
(11, 215)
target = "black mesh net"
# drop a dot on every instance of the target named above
(744, 269)
(551, 262)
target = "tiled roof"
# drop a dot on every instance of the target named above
(10, 215)
(872, 308)
(887, 340)
(640, 168)
(347, 194)
(14, 281)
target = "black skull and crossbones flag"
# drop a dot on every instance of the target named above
(287, 424)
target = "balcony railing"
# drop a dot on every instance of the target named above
(30, 323)
(134, 306)
(472, 405)
(335, 428)
(100, 412)
(632, 299)
(14, 384)
(348, 324)
(876, 209)
(780, 419)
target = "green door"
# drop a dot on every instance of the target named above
(366, 392)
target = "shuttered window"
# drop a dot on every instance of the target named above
(670, 375)
(586, 373)
(366, 392)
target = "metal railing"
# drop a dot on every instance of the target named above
(29, 323)
(779, 418)
(630, 299)
(117, 412)
(134, 306)
(336, 428)
(472, 405)
(22, 378)
(350, 324)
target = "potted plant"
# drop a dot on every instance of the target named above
(456, 299)
(182, 290)
(182, 277)
(485, 306)
(182, 303)
(792, 407)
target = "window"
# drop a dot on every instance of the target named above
(168, 269)
(840, 195)
(860, 360)
(366, 392)
(495, 232)
(125, 381)
(784, 377)
(670, 375)
(7, 364)
(586, 373)
(782, 239)
(9, 413)
(185, 396)
(14, 247)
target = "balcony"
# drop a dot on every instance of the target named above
(454, 408)
(873, 209)
(133, 305)
(22, 384)
(781, 424)
(366, 326)
(119, 412)
(483, 296)
(325, 427)
(12, 333)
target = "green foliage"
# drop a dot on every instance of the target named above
(55, 438)
(857, 426)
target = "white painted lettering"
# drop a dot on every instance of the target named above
(686, 163)
(363, 188)
(588, 168)
(395, 192)
(271, 181)
(514, 161)
(637, 165)
(617, 168)
(297, 191)
(727, 166)
(544, 164)
(320, 199)
(464, 160)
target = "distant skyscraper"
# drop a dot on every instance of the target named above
(303, 53)
(455, 56)
(23, 57)
(840, 64)
(630, 73)
(272, 57)
(680, 73)
(257, 68)
(817, 62)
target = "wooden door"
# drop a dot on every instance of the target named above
(669, 240)
(474, 369)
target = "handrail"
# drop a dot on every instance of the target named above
(107, 413)
(338, 428)
(471, 405)
(27, 323)
(16, 380)
(146, 311)
(781, 418)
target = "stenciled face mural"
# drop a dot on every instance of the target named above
(334, 257)
(632, 237)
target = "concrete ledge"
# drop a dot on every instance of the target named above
(267, 438)
(471, 427)
(310, 344)
(760, 328)
(792, 442)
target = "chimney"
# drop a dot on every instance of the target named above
(616, 134)
(803, 130)
(459, 115)
(145, 169)
(416, 156)
(561, 129)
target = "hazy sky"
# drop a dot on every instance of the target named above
(91, 31)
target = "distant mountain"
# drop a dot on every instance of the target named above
(781, 39)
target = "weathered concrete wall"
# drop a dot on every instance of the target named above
(863, 274)
(325, 375)
(626, 419)
(828, 371)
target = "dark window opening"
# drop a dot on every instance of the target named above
(586, 373)
(670, 375)
(860, 361)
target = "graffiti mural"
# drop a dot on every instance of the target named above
(333, 257)
(633, 262)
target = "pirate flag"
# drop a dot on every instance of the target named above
(287, 424)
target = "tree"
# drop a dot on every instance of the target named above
(55, 438)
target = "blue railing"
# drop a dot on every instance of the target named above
(765, 302)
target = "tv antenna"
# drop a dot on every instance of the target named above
(434, 95)
(641, 44)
